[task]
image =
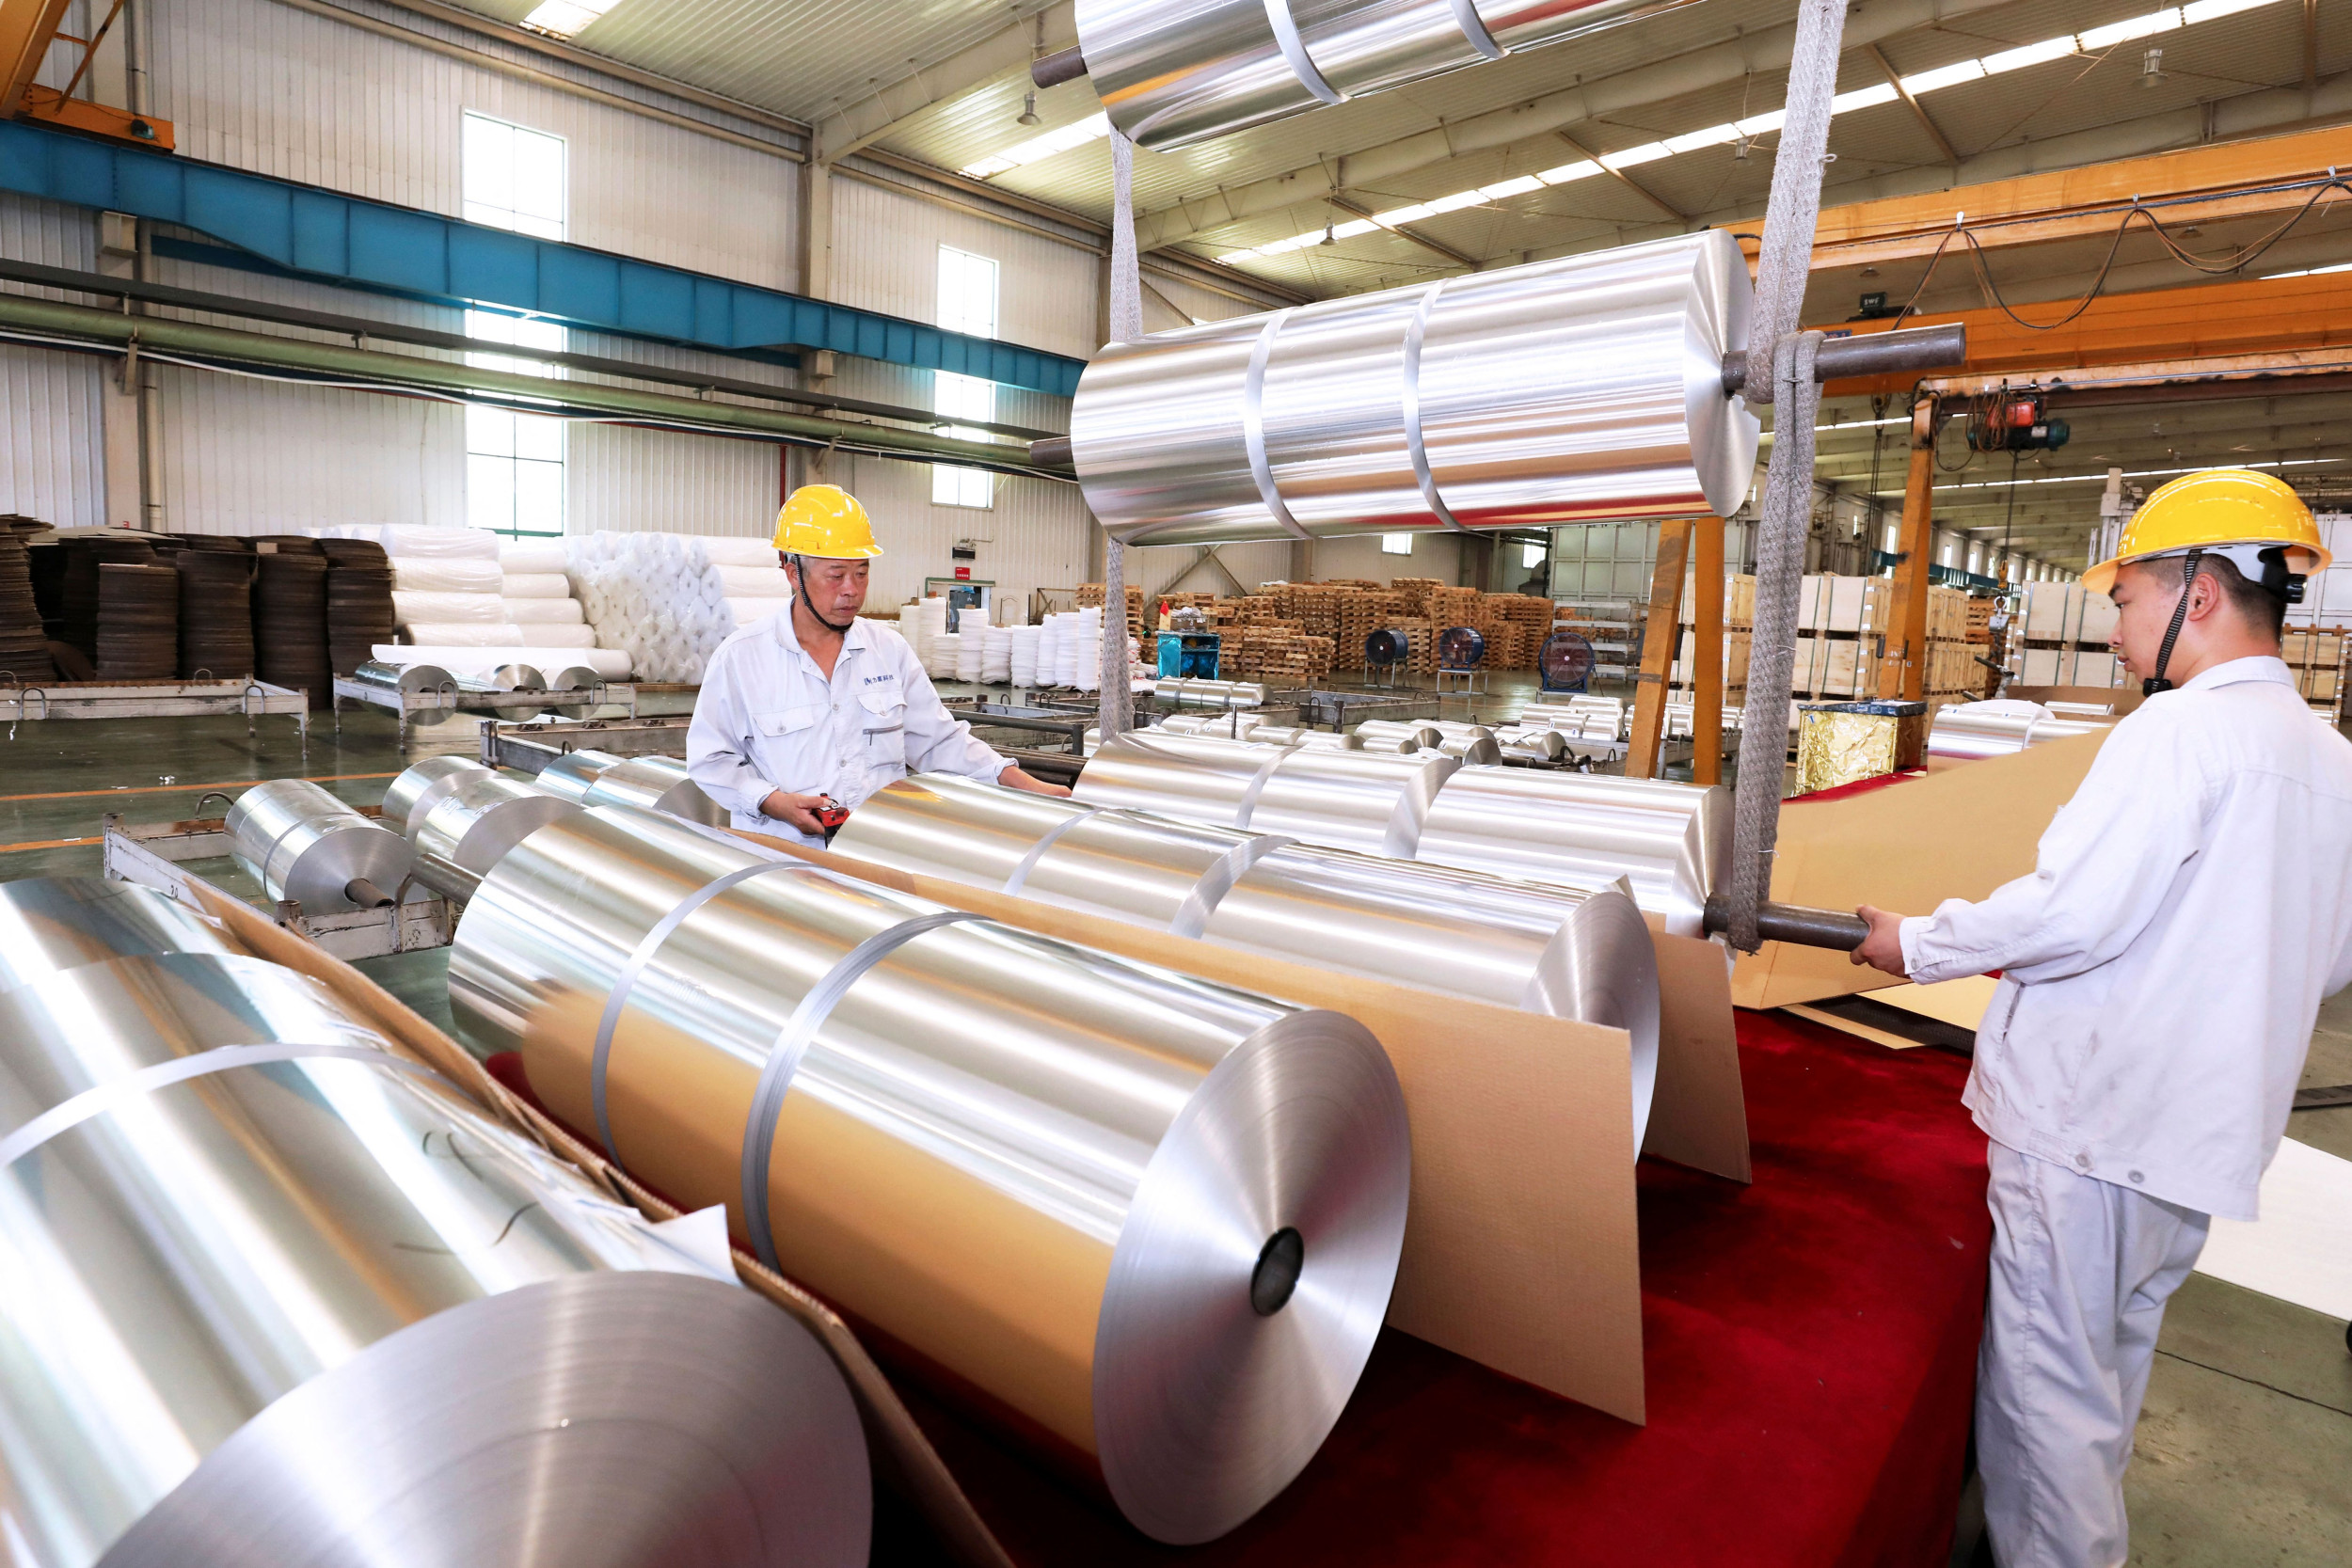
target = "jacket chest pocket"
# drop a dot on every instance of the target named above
(787, 741)
(885, 732)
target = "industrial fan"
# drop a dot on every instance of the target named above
(1460, 648)
(1566, 663)
(1387, 649)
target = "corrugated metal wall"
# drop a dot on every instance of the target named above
(886, 256)
(51, 466)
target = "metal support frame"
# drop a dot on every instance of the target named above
(155, 855)
(1903, 667)
(529, 748)
(152, 700)
(1707, 653)
(1660, 638)
(406, 705)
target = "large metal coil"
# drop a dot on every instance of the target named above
(1193, 692)
(51, 924)
(655, 784)
(1583, 954)
(1172, 75)
(301, 842)
(1352, 799)
(1485, 751)
(425, 784)
(1574, 391)
(568, 776)
(404, 677)
(476, 826)
(1156, 1218)
(262, 1283)
(1670, 842)
(1423, 732)
(1970, 732)
(1232, 723)
(505, 679)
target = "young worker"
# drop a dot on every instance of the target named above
(2161, 969)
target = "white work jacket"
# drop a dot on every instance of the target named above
(2163, 964)
(767, 719)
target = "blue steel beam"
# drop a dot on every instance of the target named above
(342, 239)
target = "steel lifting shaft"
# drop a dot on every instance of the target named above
(1918, 348)
(1808, 927)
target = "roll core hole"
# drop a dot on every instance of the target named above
(1277, 1274)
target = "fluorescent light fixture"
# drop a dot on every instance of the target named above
(2062, 47)
(1504, 188)
(1037, 148)
(1583, 169)
(2312, 271)
(565, 18)
(1649, 153)
(1863, 97)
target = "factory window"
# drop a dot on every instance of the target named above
(512, 177)
(1532, 556)
(514, 462)
(1397, 544)
(967, 303)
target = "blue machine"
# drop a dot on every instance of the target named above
(1188, 654)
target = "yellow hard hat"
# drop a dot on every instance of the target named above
(826, 521)
(2233, 512)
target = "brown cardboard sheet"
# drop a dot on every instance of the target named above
(1958, 833)
(1520, 1248)
(1700, 1116)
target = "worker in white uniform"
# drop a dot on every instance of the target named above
(2161, 969)
(813, 703)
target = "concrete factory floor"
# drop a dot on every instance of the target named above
(2243, 1450)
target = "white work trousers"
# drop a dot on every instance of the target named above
(2081, 1271)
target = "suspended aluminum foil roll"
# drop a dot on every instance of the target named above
(425, 784)
(655, 784)
(51, 924)
(475, 827)
(567, 777)
(301, 842)
(1670, 841)
(1580, 389)
(262, 1283)
(408, 678)
(1172, 75)
(1158, 1218)
(1582, 953)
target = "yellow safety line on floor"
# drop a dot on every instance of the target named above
(48, 844)
(159, 789)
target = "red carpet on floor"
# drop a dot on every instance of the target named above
(1810, 1343)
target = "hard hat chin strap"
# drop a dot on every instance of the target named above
(2157, 682)
(800, 585)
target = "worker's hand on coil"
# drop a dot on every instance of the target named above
(1013, 778)
(799, 810)
(1884, 947)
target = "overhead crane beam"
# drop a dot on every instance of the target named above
(2203, 184)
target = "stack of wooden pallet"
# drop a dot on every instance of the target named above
(1090, 594)
(1278, 655)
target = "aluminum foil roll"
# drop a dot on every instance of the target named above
(1391, 745)
(1157, 1218)
(475, 827)
(262, 1283)
(567, 777)
(424, 785)
(1420, 732)
(301, 842)
(577, 678)
(1199, 692)
(51, 924)
(1580, 390)
(1970, 732)
(1582, 953)
(410, 678)
(655, 784)
(1173, 75)
(1484, 750)
(1350, 799)
(505, 679)
(1670, 841)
